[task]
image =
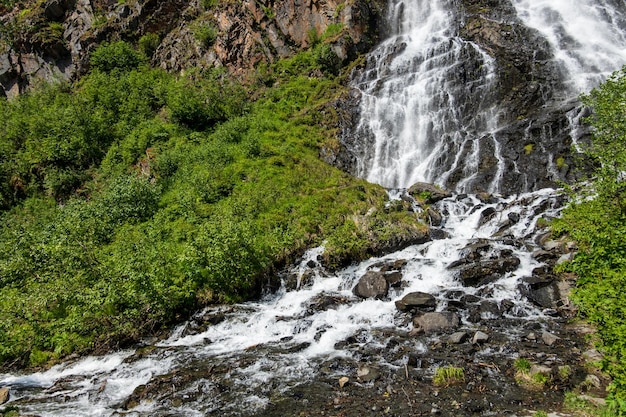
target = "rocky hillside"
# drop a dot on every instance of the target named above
(53, 38)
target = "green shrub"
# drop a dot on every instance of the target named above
(205, 33)
(115, 55)
(148, 44)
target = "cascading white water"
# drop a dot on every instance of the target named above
(588, 37)
(426, 96)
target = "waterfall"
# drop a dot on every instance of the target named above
(437, 107)
(426, 98)
(588, 37)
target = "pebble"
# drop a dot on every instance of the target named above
(480, 337)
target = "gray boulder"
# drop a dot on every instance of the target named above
(372, 285)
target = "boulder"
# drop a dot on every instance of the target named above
(457, 338)
(416, 300)
(549, 339)
(485, 271)
(371, 285)
(428, 193)
(435, 322)
(480, 337)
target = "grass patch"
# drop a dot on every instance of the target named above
(448, 375)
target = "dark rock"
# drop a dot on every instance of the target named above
(486, 215)
(470, 299)
(490, 309)
(543, 255)
(416, 300)
(372, 285)
(438, 234)
(428, 193)
(394, 278)
(513, 217)
(486, 271)
(435, 322)
(542, 290)
(434, 217)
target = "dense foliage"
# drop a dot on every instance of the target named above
(598, 223)
(134, 196)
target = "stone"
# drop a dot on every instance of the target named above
(416, 300)
(428, 193)
(480, 337)
(592, 380)
(367, 374)
(592, 355)
(457, 338)
(372, 285)
(343, 381)
(435, 322)
(485, 271)
(435, 218)
(513, 217)
(549, 339)
(486, 215)
(4, 395)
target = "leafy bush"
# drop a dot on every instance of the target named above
(205, 33)
(148, 44)
(115, 55)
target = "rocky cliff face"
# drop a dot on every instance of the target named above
(53, 39)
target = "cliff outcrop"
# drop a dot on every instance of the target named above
(52, 39)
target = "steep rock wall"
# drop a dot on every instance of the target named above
(53, 39)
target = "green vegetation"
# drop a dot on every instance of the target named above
(134, 197)
(205, 33)
(597, 221)
(448, 375)
(522, 365)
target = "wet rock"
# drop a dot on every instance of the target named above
(428, 193)
(457, 338)
(434, 217)
(489, 309)
(470, 299)
(549, 339)
(372, 285)
(543, 255)
(435, 322)
(4, 395)
(486, 215)
(438, 234)
(416, 300)
(513, 217)
(343, 381)
(485, 271)
(324, 302)
(480, 337)
(541, 289)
